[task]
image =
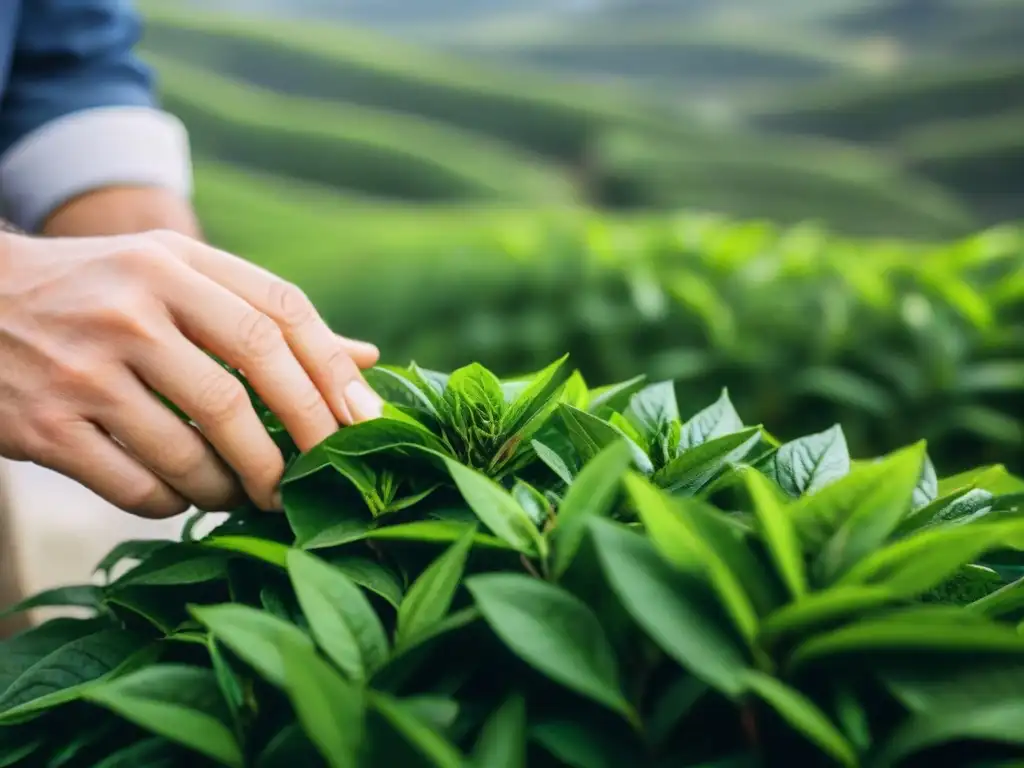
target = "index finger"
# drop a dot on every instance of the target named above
(332, 362)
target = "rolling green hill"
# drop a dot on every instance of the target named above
(351, 147)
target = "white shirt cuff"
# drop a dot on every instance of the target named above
(91, 149)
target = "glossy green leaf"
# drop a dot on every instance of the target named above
(927, 488)
(675, 609)
(590, 435)
(997, 722)
(430, 596)
(372, 576)
(688, 535)
(718, 419)
(698, 465)
(80, 596)
(535, 399)
(653, 407)
(552, 631)
(441, 531)
(810, 463)
(779, 534)
(873, 515)
(994, 478)
(915, 564)
(801, 713)
(502, 741)
(181, 703)
(497, 509)
(433, 747)
(553, 461)
(176, 564)
(820, 609)
(255, 636)
(262, 549)
(331, 709)
(341, 619)
(614, 397)
(591, 494)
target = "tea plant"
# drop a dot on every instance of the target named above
(536, 572)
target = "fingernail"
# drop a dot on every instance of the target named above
(364, 403)
(360, 346)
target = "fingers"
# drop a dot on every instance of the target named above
(331, 361)
(250, 341)
(171, 449)
(92, 458)
(219, 405)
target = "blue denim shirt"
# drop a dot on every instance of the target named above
(77, 108)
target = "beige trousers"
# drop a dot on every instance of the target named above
(10, 570)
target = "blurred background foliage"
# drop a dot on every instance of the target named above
(814, 204)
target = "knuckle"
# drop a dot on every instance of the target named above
(264, 475)
(259, 336)
(82, 375)
(341, 366)
(220, 397)
(289, 304)
(183, 461)
(44, 432)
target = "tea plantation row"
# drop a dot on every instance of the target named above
(806, 329)
(343, 108)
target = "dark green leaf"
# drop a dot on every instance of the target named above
(779, 534)
(801, 713)
(534, 400)
(340, 617)
(372, 576)
(430, 596)
(672, 607)
(502, 742)
(434, 531)
(553, 461)
(255, 636)
(431, 745)
(181, 703)
(497, 509)
(82, 596)
(176, 564)
(152, 753)
(698, 465)
(820, 609)
(330, 709)
(590, 435)
(652, 408)
(262, 549)
(591, 494)
(134, 549)
(552, 631)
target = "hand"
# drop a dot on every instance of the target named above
(91, 328)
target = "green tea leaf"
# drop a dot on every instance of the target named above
(995, 722)
(718, 419)
(430, 596)
(152, 753)
(697, 466)
(675, 609)
(533, 502)
(255, 636)
(262, 549)
(133, 549)
(874, 515)
(687, 535)
(591, 494)
(652, 408)
(552, 631)
(331, 710)
(1008, 599)
(502, 741)
(963, 505)
(431, 745)
(54, 664)
(399, 386)
(913, 565)
(994, 479)
(442, 531)
(913, 631)
(801, 713)
(614, 397)
(372, 576)
(181, 703)
(590, 435)
(778, 532)
(81, 596)
(340, 617)
(536, 398)
(820, 609)
(497, 509)
(810, 463)
(176, 564)
(927, 488)
(553, 461)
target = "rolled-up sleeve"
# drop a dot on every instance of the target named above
(79, 111)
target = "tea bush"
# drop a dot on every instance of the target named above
(537, 572)
(805, 328)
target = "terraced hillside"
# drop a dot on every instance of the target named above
(362, 113)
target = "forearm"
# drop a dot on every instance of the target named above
(121, 211)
